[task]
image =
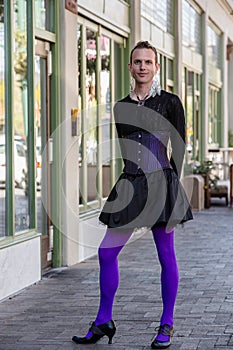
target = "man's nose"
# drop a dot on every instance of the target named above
(142, 66)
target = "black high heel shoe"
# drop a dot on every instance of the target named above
(164, 329)
(108, 329)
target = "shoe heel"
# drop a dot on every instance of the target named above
(110, 336)
(110, 340)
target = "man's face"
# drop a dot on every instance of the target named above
(143, 67)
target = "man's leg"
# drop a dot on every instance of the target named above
(110, 247)
(169, 274)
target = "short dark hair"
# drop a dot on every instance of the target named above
(144, 45)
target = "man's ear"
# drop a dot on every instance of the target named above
(157, 65)
(129, 67)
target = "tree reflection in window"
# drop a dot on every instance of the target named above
(20, 114)
(91, 97)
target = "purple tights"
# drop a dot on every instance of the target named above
(110, 247)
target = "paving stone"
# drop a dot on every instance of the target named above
(46, 315)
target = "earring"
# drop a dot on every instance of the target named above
(132, 85)
(155, 87)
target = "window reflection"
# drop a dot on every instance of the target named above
(170, 69)
(214, 47)
(189, 113)
(214, 122)
(105, 108)
(105, 97)
(96, 147)
(159, 12)
(80, 87)
(2, 125)
(42, 10)
(91, 113)
(191, 27)
(88, 98)
(20, 117)
(40, 13)
(41, 135)
(91, 99)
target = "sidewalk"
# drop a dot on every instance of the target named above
(47, 315)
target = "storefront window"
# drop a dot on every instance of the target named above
(192, 100)
(214, 120)
(214, 47)
(20, 117)
(105, 107)
(191, 27)
(38, 111)
(88, 105)
(190, 111)
(105, 98)
(91, 113)
(166, 73)
(43, 8)
(96, 53)
(215, 63)
(159, 13)
(91, 98)
(2, 125)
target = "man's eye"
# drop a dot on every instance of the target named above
(137, 62)
(148, 62)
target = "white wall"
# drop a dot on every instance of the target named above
(70, 166)
(90, 235)
(20, 266)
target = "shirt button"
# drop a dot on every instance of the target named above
(139, 151)
(139, 135)
(139, 143)
(139, 159)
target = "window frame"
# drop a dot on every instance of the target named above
(154, 18)
(167, 83)
(12, 236)
(89, 206)
(193, 45)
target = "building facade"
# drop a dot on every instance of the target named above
(63, 64)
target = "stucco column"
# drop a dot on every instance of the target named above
(178, 47)
(204, 90)
(135, 22)
(70, 164)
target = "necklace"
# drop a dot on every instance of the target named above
(141, 102)
(154, 90)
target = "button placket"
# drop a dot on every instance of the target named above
(139, 149)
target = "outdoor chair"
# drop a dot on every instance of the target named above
(220, 191)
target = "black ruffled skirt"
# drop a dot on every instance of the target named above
(146, 200)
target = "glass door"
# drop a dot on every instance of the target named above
(42, 134)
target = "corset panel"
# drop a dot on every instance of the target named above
(145, 152)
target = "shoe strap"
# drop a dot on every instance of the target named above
(165, 330)
(96, 330)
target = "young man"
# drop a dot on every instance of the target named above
(147, 193)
